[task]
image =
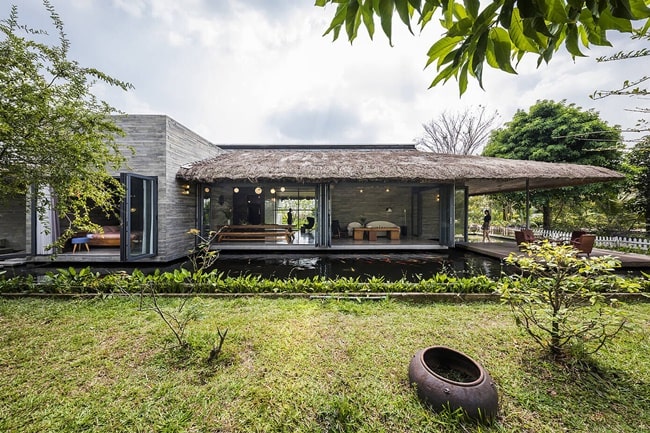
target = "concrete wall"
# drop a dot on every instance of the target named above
(177, 212)
(352, 201)
(161, 146)
(430, 200)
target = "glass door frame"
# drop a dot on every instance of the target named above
(149, 202)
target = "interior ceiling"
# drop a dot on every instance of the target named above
(293, 192)
(475, 186)
(490, 186)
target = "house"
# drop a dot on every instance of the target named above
(156, 214)
(177, 180)
(424, 194)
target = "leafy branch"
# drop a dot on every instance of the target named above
(629, 88)
(501, 32)
(560, 299)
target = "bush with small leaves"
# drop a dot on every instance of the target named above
(565, 303)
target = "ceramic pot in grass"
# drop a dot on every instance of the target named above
(448, 379)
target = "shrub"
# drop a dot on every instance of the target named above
(17, 284)
(563, 301)
(72, 280)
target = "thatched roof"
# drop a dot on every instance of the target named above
(481, 174)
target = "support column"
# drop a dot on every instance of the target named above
(527, 204)
(323, 216)
(447, 215)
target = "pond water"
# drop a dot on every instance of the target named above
(392, 267)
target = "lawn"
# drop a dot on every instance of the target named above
(296, 365)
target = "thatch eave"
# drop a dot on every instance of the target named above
(482, 175)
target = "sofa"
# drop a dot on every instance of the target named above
(381, 224)
(352, 226)
(109, 238)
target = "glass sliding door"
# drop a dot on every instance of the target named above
(460, 214)
(323, 216)
(139, 231)
(447, 210)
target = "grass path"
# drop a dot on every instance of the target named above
(296, 366)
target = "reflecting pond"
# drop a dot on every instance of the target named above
(411, 266)
(391, 267)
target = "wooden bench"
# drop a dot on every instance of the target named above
(251, 236)
(359, 233)
(260, 232)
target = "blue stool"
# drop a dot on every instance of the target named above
(80, 241)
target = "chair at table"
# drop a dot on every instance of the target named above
(351, 228)
(309, 225)
(584, 244)
(524, 236)
(336, 229)
(575, 235)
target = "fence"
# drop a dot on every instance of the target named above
(601, 241)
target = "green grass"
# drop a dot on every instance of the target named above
(296, 366)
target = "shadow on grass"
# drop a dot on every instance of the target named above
(586, 390)
(194, 357)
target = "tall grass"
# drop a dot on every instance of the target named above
(296, 366)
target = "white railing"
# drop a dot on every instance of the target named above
(601, 241)
(618, 241)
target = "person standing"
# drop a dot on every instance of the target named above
(487, 219)
(290, 217)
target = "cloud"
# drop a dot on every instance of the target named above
(260, 71)
(334, 124)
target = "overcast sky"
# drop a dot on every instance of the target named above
(260, 71)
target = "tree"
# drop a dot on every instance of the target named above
(639, 160)
(54, 133)
(561, 300)
(556, 132)
(500, 32)
(460, 133)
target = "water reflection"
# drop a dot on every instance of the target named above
(390, 267)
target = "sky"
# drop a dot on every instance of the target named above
(261, 71)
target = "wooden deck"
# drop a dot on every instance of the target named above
(502, 248)
(304, 244)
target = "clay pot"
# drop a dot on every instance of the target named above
(447, 379)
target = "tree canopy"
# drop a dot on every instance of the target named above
(558, 132)
(497, 33)
(54, 133)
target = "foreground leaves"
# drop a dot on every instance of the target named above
(501, 32)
